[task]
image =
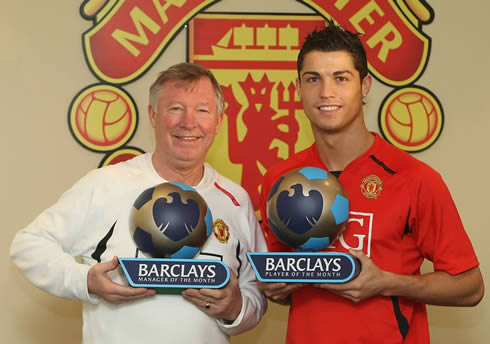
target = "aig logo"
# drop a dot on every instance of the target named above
(358, 233)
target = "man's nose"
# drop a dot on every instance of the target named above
(189, 118)
(328, 89)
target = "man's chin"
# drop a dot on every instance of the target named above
(190, 159)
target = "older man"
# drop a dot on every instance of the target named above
(91, 222)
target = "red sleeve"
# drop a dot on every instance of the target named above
(438, 228)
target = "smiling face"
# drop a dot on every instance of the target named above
(331, 91)
(186, 121)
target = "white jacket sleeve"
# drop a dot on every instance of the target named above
(254, 303)
(45, 250)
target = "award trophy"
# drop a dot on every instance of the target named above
(307, 209)
(169, 223)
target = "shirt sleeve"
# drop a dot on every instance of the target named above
(45, 250)
(438, 228)
(254, 303)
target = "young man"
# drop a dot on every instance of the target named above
(186, 111)
(410, 218)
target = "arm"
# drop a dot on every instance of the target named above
(46, 251)
(438, 288)
(225, 303)
(254, 304)
(240, 305)
(42, 250)
(435, 288)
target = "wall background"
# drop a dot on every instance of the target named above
(42, 68)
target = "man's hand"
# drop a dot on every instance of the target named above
(224, 303)
(279, 292)
(99, 283)
(434, 288)
(369, 283)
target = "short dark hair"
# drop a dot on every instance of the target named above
(189, 72)
(335, 38)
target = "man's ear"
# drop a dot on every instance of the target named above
(220, 122)
(366, 85)
(298, 88)
(152, 115)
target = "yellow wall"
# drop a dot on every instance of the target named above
(42, 68)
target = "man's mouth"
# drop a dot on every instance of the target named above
(187, 138)
(329, 107)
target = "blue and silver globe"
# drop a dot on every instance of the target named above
(170, 220)
(307, 208)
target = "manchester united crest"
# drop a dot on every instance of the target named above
(371, 186)
(221, 231)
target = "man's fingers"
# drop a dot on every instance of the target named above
(99, 283)
(121, 293)
(271, 286)
(112, 264)
(277, 291)
(204, 295)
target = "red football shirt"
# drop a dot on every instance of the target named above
(400, 213)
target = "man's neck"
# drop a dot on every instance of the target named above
(178, 172)
(337, 150)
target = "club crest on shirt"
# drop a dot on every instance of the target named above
(221, 231)
(371, 186)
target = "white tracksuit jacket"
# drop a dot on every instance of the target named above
(90, 221)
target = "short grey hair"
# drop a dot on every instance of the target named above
(189, 72)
